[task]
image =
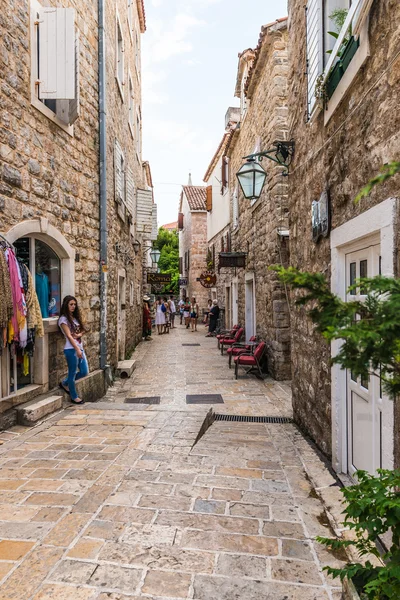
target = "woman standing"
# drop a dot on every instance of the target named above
(146, 319)
(213, 319)
(186, 313)
(194, 314)
(160, 315)
(71, 324)
(173, 311)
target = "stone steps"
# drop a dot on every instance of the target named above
(35, 410)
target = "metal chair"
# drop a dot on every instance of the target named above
(237, 349)
(233, 340)
(246, 359)
(226, 333)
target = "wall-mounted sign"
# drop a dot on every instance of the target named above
(182, 281)
(232, 259)
(208, 279)
(158, 277)
(320, 217)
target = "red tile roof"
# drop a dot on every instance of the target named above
(170, 226)
(142, 15)
(196, 196)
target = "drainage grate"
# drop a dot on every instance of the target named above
(204, 399)
(190, 344)
(148, 400)
(249, 419)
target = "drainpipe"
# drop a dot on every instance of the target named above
(102, 186)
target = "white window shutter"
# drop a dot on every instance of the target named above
(68, 111)
(130, 192)
(154, 229)
(314, 49)
(57, 54)
(235, 207)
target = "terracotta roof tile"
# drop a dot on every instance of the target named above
(170, 226)
(142, 15)
(196, 196)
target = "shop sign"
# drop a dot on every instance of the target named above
(158, 278)
(182, 281)
(208, 279)
(232, 259)
(320, 218)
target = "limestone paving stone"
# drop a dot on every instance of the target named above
(12, 550)
(233, 565)
(170, 585)
(248, 544)
(73, 571)
(299, 571)
(283, 529)
(104, 530)
(66, 530)
(209, 506)
(150, 535)
(115, 577)
(206, 522)
(126, 514)
(249, 510)
(85, 548)
(65, 592)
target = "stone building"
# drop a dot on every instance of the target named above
(192, 226)
(50, 174)
(218, 204)
(344, 118)
(259, 228)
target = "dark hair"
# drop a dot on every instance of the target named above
(64, 312)
(158, 298)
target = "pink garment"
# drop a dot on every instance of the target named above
(16, 290)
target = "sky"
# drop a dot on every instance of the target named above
(189, 65)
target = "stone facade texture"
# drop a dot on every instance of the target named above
(49, 175)
(342, 156)
(257, 232)
(193, 240)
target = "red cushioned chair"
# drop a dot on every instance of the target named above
(229, 333)
(253, 361)
(237, 349)
(230, 341)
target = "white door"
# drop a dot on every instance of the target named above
(249, 315)
(234, 304)
(364, 395)
(121, 317)
(228, 313)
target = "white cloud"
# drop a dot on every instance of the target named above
(151, 87)
(191, 63)
(181, 136)
(167, 42)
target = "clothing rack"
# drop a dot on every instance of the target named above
(4, 240)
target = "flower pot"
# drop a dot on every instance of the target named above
(334, 77)
(348, 53)
(349, 591)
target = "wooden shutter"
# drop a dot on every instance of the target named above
(68, 111)
(118, 174)
(224, 169)
(209, 198)
(180, 221)
(228, 242)
(57, 54)
(223, 244)
(144, 210)
(181, 265)
(314, 49)
(154, 230)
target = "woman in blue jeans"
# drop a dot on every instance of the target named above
(71, 324)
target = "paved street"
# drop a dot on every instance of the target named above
(113, 501)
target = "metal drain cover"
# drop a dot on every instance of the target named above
(204, 399)
(251, 419)
(148, 400)
(190, 344)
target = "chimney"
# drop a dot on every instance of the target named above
(190, 179)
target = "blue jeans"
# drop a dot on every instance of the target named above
(77, 368)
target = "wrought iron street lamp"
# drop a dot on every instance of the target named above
(155, 255)
(252, 176)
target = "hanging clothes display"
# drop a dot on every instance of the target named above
(42, 290)
(20, 312)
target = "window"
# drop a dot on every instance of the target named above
(131, 293)
(120, 59)
(45, 268)
(131, 107)
(138, 136)
(55, 64)
(119, 179)
(130, 16)
(235, 208)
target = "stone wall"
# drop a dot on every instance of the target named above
(257, 231)
(362, 134)
(118, 229)
(44, 171)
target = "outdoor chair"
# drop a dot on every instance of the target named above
(229, 333)
(253, 361)
(229, 341)
(237, 349)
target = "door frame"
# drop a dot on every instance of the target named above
(249, 277)
(235, 301)
(121, 313)
(376, 224)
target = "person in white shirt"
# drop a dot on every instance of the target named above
(181, 305)
(172, 309)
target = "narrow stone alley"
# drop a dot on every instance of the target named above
(115, 500)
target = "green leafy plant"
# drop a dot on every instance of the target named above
(168, 244)
(387, 171)
(372, 509)
(338, 18)
(209, 260)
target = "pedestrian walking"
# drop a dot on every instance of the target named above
(207, 311)
(213, 318)
(167, 314)
(73, 328)
(146, 319)
(160, 315)
(181, 304)
(194, 314)
(186, 313)
(173, 311)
